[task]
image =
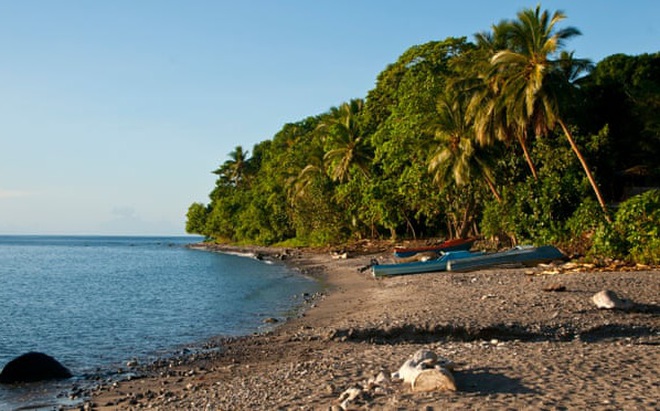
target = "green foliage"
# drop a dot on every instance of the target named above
(220, 221)
(582, 225)
(346, 149)
(196, 219)
(635, 234)
(586, 218)
(609, 242)
(316, 218)
(531, 211)
(623, 93)
(443, 111)
(401, 111)
(548, 210)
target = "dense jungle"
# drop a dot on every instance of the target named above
(508, 136)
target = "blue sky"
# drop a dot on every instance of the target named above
(114, 113)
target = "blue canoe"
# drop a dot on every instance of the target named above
(418, 267)
(521, 255)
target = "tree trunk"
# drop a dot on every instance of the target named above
(411, 228)
(450, 226)
(493, 189)
(467, 219)
(475, 228)
(590, 177)
(523, 143)
(392, 234)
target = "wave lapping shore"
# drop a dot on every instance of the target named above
(519, 341)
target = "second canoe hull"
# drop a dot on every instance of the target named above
(528, 256)
(419, 267)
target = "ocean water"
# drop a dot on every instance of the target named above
(94, 303)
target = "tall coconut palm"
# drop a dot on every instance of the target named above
(532, 80)
(456, 159)
(347, 147)
(489, 116)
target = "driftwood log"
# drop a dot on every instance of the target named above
(425, 371)
(422, 256)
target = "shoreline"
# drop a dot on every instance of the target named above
(515, 344)
(82, 394)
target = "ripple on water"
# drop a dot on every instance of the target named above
(95, 302)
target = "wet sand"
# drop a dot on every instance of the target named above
(516, 345)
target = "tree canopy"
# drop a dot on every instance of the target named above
(457, 138)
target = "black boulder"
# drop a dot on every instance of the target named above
(33, 366)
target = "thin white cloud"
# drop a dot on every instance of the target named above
(12, 193)
(125, 220)
(127, 213)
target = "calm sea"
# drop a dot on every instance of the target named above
(94, 303)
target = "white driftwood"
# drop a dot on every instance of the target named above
(407, 372)
(425, 356)
(422, 256)
(434, 379)
(348, 396)
(424, 372)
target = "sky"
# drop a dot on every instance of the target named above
(113, 114)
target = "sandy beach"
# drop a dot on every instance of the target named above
(516, 343)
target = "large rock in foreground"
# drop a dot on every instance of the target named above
(33, 366)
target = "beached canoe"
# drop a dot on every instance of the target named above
(418, 267)
(449, 245)
(520, 255)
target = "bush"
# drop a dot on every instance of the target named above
(538, 211)
(580, 228)
(609, 242)
(196, 219)
(533, 211)
(635, 233)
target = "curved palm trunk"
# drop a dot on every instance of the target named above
(592, 181)
(528, 157)
(493, 189)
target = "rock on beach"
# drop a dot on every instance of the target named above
(520, 347)
(31, 367)
(609, 300)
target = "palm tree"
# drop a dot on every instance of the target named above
(491, 120)
(234, 169)
(347, 147)
(456, 159)
(531, 81)
(301, 184)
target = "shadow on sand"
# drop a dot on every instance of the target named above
(486, 380)
(410, 333)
